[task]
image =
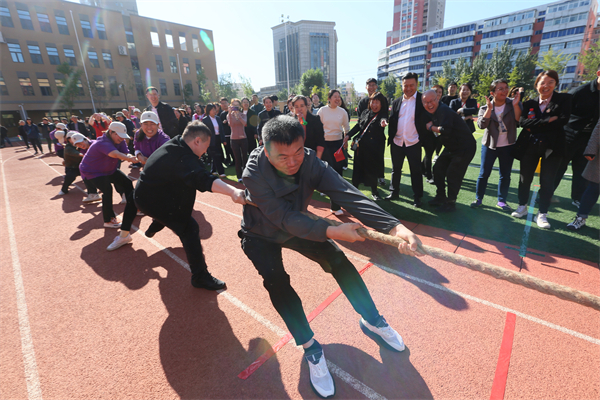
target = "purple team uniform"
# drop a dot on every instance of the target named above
(96, 161)
(147, 146)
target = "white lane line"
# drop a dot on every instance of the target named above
(32, 377)
(339, 372)
(487, 303)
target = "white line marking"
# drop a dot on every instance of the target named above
(32, 377)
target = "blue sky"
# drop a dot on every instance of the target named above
(243, 37)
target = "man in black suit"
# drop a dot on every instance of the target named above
(452, 88)
(314, 135)
(226, 131)
(406, 135)
(265, 115)
(215, 151)
(78, 126)
(168, 121)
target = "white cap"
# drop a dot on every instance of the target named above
(136, 110)
(60, 136)
(70, 134)
(149, 116)
(120, 129)
(77, 137)
(60, 125)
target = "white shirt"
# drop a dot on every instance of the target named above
(407, 131)
(215, 124)
(155, 111)
(502, 133)
(544, 103)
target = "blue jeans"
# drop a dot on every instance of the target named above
(488, 158)
(588, 199)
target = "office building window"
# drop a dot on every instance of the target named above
(5, 18)
(173, 63)
(182, 42)
(86, 27)
(101, 30)
(61, 21)
(93, 58)
(113, 85)
(35, 53)
(99, 85)
(70, 55)
(60, 85)
(45, 86)
(26, 86)
(195, 44)
(177, 88)
(163, 87)
(3, 88)
(129, 36)
(25, 18)
(107, 57)
(198, 67)
(15, 52)
(44, 21)
(80, 86)
(169, 39)
(154, 37)
(185, 66)
(159, 64)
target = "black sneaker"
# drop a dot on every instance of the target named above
(207, 281)
(437, 201)
(446, 207)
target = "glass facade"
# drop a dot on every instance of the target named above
(319, 53)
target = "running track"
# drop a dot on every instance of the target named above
(78, 322)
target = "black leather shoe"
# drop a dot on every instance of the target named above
(437, 201)
(446, 207)
(207, 281)
(392, 196)
(417, 203)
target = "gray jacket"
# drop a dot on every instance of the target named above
(491, 125)
(281, 200)
(592, 170)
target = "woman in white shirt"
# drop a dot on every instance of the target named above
(336, 125)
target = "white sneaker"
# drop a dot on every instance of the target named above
(338, 212)
(576, 203)
(320, 378)
(61, 193)
(118, 242)
(123, 200)
(114, 223)
(385, 332)
(578, 223)
(520, 212)
(223, 176)
(92, 198)
(542, 220)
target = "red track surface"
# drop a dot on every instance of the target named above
(128, 325)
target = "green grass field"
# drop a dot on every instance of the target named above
(489, 222)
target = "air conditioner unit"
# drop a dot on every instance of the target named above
(122, 50)
(1, 38)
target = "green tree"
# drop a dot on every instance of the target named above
(309, 79)
(70, 91)
(324, 93)
(204, 94)
(388, 87)
(500, 65)
(315, 89)
(552, 60)
(445, 76)
(246, 86)
(482, 88)
(522, 73)
(478, 67)
(591, 61)
(462, 71)
(224, 87)
(188, 93)
(398, 93)
(282, 94)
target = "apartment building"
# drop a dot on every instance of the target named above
(413, 17)
(565, 26)
(120, 53)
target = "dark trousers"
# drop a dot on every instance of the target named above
(239, 148)
(228, 150)
(105, 183)
(216, 154)
(4, 140)
(451, 167)
(49, 141)
(413, 154)
(328, 155)
(90, 187)
(550, 166)
(574, 154)
(488, 158)
(25, 139)
(37, 146)
(70, 175)
(588, 199)
(267, 259)
(252, 144)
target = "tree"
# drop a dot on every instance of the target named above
(483, 87)
(500, 65)
(102, 96)
(246, 86)
(315, 89)
(309, 79)
(591, 61)
(398, 93)
(556, 61)
(70, 91)
(445, 76)
(324, 94)
(204, 94)
(522, 73)
(282, 94)
(388, 87)
(224, 87)
(188, 92)
(462, 71)
(478, 67)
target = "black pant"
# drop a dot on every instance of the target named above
(49, 141)
(328, 155)
(70, 175)
(574, 154)
(104, 183)
(550, 166)
(428, 159)
(239, 148)
(216, 154)
(413, 154)
(452, 166)
(35, 142)
(228, 150)
(90, 187)
(252, 144)
(267, 259)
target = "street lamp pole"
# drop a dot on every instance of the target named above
(287, 64)
(125, 93)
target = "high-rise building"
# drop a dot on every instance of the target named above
(310, 45)
(567, 27)
(123, 6)
(122, 54)
(413, 17)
